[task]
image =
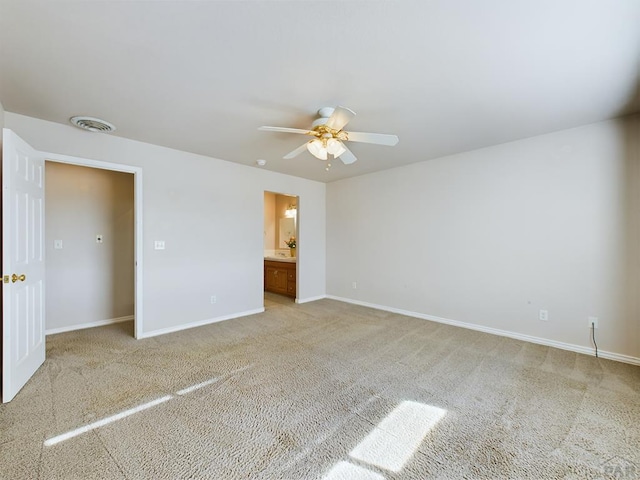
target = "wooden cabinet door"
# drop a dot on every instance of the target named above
(270, 278)
(276, 280)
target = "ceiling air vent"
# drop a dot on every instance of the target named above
(92, 124)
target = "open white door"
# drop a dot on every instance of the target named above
(23, 339)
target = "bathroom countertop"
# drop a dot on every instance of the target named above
(281, 259)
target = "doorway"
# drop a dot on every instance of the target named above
(280, 248)
(89, 247)
(137, 245)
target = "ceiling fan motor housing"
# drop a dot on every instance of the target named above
(319, 121)
(326, 112)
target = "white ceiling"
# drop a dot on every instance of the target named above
(444, 75)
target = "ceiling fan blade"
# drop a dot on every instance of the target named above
(296, 152)
(339, 118)
(286, 130)
(377, 138)
(347, 156)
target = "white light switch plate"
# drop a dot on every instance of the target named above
(159, 245)
(57, 244)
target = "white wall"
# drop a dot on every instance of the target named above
(210, 214)
(1, 233)
(88, 282)
(1, 127)
(492, 236)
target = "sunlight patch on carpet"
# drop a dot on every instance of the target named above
(126, 413)
(105, 421)
(348, 471)
(197, 386)
(397, 437)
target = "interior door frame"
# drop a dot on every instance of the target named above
(137, 215)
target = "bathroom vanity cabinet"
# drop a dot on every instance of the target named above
(280, 277)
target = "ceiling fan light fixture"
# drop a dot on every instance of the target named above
(330, 136)
(317, 149)
(335, 147)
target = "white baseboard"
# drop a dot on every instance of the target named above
(495, 331)
(200, 323)
(82, 326)
(310, 299)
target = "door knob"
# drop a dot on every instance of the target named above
(15, 278)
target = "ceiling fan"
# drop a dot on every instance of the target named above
(329, 136)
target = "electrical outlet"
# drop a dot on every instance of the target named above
(593, 322)
(354, 285)
(214, 299)
(543, 315)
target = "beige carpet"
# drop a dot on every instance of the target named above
(320, 390)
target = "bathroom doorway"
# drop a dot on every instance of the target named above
(280, 248)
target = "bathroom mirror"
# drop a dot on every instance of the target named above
(287, 230)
